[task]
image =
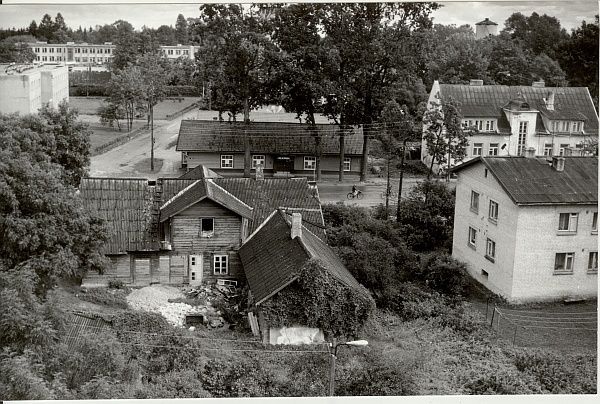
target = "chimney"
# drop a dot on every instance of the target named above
(296, 225)
(530, 152)
(475, 82)
(550, 101)
(558, 163)
(538, 84)
(259, 174)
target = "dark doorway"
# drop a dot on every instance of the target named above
(284, 164)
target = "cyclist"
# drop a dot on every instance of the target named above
(354, 190)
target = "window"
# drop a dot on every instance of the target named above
(178, 52)
(595, 222)
(593, 261)
(477, 148)
(493, 149)
(310, 162)
(220, 264)
(565, 126)
(493, 211)
(186, 52)
(346, 163)
(567, 222)
(227, 161)
(490, 250)
(207, 227)
(472, 237)
(548, 149)
(489, 126)
(563, 149)
(258, 159)
(564, 262)
(170, 51)
(522, 138)
(576, 127)
(474, 201)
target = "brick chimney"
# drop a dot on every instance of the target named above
(259, 174)
(550, 101)
(296, 225)
(558, 163)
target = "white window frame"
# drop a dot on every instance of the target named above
(347, 163)
(207, 233)
(490, 126)
(220, 264)
(477, 149)
(310, 163)
(490, 249)
(595, 222)
(258, 159)
(548, 149)
(522, 140)
(493, 150)
(474, 201)
(226, 160)
(493, 211)
(563, 148)
(567, 222)
(568, 262)
(593, 261)
(472, 237)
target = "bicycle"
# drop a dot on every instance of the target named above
(352, 195)
(389, 194)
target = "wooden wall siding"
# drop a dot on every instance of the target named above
(164, 265)
(122, 265)
(141, 271)
(235, 269)
(178, 271)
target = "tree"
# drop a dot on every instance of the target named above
(510, 62)
(166, 35)
(446, 139)
(231, 57)
(126, 46)
(370, 43)
(16, 49)
(33, 28)
(540, 34)
(181, 30)
(110, 113)
(125, 91)
(46, 28)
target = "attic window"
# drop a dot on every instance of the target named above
(207, 227)
(524, 106)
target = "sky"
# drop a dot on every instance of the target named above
(86, 13)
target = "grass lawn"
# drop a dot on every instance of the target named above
(89, 105)
(103, 134)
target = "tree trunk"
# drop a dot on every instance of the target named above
(151, 136)
(365, 154)
(247, 157)
(318, 144)
(401, 178)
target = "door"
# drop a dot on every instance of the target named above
(195, 269)
(142, 271)
(284, 164)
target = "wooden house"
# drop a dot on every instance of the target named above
(291, 244)
(186, 231)
(281, 148)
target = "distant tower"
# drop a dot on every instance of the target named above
(485, 28)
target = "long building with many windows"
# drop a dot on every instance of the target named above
(84, 53)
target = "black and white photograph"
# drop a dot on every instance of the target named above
(323, 202)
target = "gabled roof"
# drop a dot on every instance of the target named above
(533, 180)
(570, 103)
(264, 137)
(198, 191)
(200, 172)
(272, 259)
(131, 207)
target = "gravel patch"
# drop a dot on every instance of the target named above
(155, 299)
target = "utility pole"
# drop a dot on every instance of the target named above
(152, 128)
(332, 353)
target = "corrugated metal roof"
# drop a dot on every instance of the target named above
(264, 137)
(533, 181)
(570, 103)
(268, 270)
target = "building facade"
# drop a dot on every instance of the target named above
(527, 227)
(24, 88)
(85, 53)
(510, 120)
(281, 148)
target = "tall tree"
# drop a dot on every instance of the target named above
(16, 49)
(444, 134)
(539, 33)
(33, 28)
(46, 28)
(126, 49)
(181, 30)
(125, 92)
(232, 59)
(370, 40)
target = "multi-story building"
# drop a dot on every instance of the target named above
(85, 53)
(527, 227)
(24, 88)
(554, 121)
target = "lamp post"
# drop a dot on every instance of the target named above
(333, 346)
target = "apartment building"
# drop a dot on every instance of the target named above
(527, 226)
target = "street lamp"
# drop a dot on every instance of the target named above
(333, 347)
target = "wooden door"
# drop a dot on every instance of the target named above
(195, 269)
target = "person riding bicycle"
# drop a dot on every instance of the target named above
(354, 190)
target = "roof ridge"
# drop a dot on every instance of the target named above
(179, 193)
(211, 181)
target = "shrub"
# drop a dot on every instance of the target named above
(107, 297)
(443, 273)
(243, 378)
(177, 384)
(113, 284)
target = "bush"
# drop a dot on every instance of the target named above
(243, 378)
(113, 284)
(107, 297)
(445, 274)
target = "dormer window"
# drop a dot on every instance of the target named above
(567, 126)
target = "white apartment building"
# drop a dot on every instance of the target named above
(527, 227)
(24, 88)
(554, 121)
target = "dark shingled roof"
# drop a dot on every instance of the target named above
(570, 103)
(272, 259)
(533, 181)
(265, 137)
(131, 207)
(196, 192)
(200, 172)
